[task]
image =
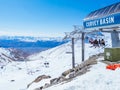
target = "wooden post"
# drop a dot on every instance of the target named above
(73, 54)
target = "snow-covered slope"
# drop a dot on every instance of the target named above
(17, 75)
(99, 78)
(5, 57)
(59, 60)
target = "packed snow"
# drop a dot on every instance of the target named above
(17, 75)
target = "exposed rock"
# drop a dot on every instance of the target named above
(54, 81)
(67, 72)
(12, 80)
(61, 78)
(46, 85)
(72, 74)
(37, 89)
(38, 79)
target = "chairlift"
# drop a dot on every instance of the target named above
(97, 36)
(46, 63)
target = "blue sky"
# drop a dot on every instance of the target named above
(45, 17)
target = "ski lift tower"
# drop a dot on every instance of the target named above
(78, 33)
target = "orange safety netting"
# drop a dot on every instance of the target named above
(113, 66)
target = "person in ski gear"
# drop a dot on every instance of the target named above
(102, 42)
(91, 41)
(95, 43)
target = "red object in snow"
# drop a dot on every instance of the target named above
(113, 66)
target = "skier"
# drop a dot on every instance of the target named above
(102, 42)
(91, 41)
(95, 43)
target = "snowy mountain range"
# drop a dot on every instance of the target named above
(17, 48)
(5, 57)
(28, 44)
(30, 38)
(8, 55)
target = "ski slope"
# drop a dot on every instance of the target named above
(99, 78)
(17, 75)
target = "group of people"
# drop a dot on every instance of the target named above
(97, 43)
(46, 64)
